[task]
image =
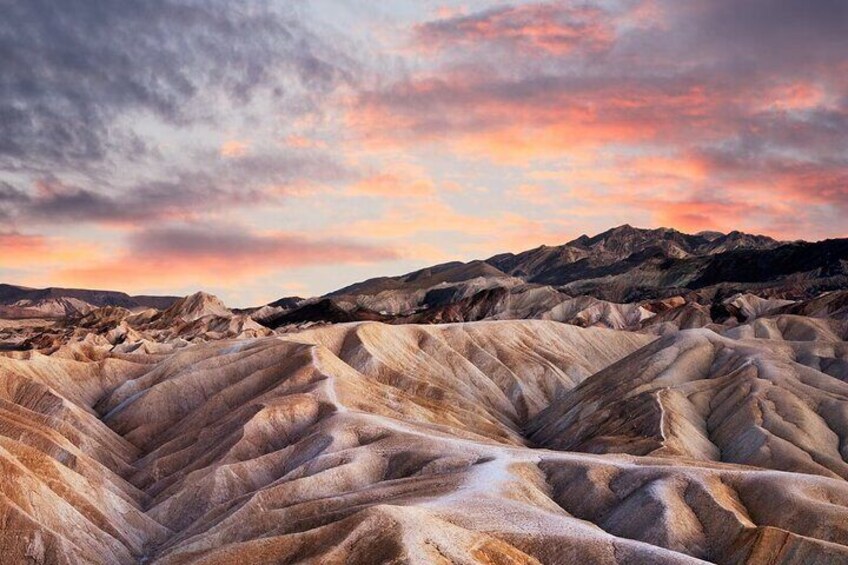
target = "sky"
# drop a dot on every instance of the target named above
(260, 149)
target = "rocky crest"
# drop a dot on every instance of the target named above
(622, 267)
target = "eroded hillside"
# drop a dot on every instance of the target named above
(513, 441)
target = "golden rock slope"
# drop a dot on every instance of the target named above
(369, 443)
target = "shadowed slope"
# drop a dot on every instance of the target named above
(64, 497)
(699, 395)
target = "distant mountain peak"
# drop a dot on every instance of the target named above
(710, 235)
(618, 250)
(196, 306)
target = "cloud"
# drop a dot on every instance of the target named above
(21, 251)
(537, 116)
(303, 142)
(71, 69)
(707, 212)
(54, 202)
(15, 243)
(553, 28)
(531, 193)
(483, 233)
(821, 180)
(661, 81)
(187, 254)
(234, 244)
(396, 181)
(759, 36)
(234, 148)
(747, 102)
(249, 180)
(119, 111)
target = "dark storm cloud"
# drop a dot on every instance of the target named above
(10, 194)
(10, 198)
(776, 34)
(69, 68)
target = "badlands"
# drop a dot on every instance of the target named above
(642, 396)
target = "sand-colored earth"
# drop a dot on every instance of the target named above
(486, 442)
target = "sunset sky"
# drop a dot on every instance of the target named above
(263, 149)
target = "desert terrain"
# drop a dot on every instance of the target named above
(640, 396)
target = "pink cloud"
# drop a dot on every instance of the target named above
(664, 106)
(396, 181)
(554, 28)
(183, 255)
(23, 251)
(234, 148)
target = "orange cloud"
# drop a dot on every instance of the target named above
(191, 255)
(445, 12)
(695, 215)
(531, 193)
(639, 174)
(482, 234)
(654, 167)
(693, 192)
(303, 142)
(234, 148)
(396, 182)
(475, 116)
(21, 251)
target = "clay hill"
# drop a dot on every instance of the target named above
(641, 396)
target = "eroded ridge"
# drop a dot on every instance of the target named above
(514, 441)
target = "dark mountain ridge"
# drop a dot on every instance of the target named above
(574, 260)
(623, 265)
(10, 294)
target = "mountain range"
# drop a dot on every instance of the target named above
(23, 302)
(640, 396)
(624, 265)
